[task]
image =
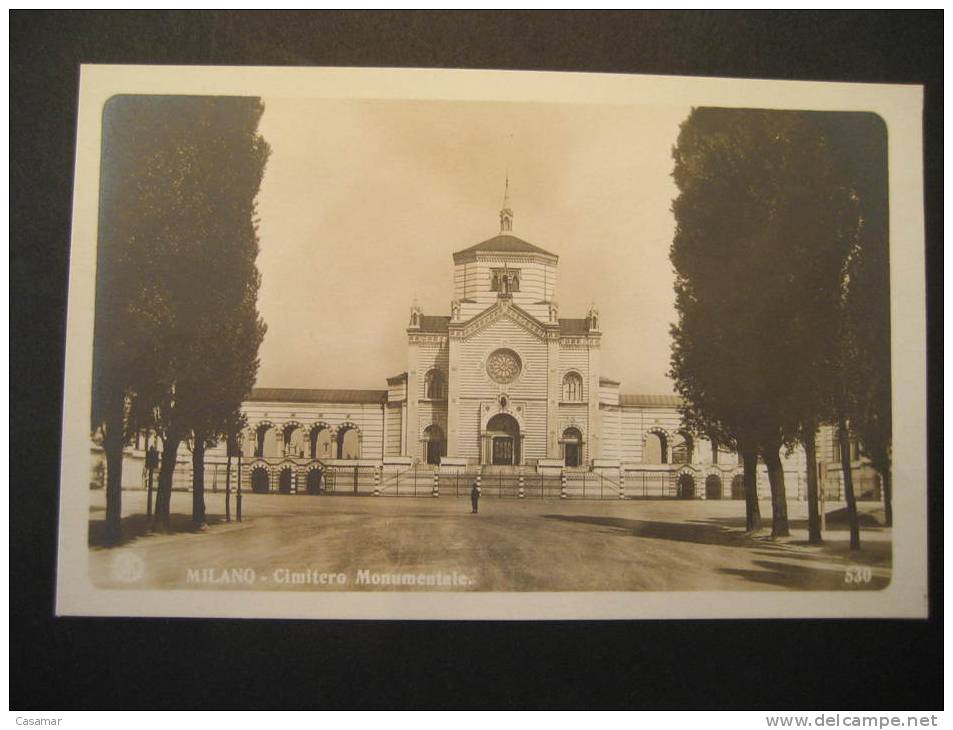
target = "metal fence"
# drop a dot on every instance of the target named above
(649, 484)
(414, 481)
(867, 488)
(350, 479)
(182, 477)
(422, 480)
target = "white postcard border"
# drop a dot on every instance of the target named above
(899, 106)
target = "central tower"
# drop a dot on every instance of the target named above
(504, 355)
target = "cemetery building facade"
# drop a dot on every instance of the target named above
(503, 383)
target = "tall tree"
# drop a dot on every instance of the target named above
(853, 382)
(815, 225)
(130, 309)
(724, 342)
(861, 141)
(765, 222)
(212, 336)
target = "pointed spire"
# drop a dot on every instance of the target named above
(506, 213)
(415, 314)
(593, 317)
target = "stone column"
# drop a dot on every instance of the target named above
(595, 424)
(552, 397)
(403, 424)
(453, 397)
(383, 431)
(413, 385)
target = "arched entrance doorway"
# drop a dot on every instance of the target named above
(503, 432)
(686, 486)
(738, 487)
(572, 445)
(713, 487)
(436, 444)
(285, 480)
(259, 480)
(314, 481)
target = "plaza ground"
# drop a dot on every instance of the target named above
(511, 545)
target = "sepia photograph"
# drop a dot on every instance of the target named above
(445, 344)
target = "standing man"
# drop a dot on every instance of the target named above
(475, 498)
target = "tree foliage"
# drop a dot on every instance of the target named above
(865, 330)
(182, 174)
(769, 226)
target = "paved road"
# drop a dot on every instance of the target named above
(529, 545)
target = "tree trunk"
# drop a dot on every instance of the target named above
(228, 483)
(198, 481)
(170, 449)
(752, 509)
(112, 447)
(844, 437)
(779, 501)
(888, 497)
(813, 513)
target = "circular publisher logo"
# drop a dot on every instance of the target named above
(128, 567)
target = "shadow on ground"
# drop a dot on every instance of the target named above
(137, 526)
(800, 577)
(836, 521)
(701, 533)
(730, 532)
(872, 553)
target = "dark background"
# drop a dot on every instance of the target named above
(118, 663)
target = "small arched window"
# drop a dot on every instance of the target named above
(435, 386)
(655, 450)
(262, 442)
(682, 448)
(349, 443)
(572, 387)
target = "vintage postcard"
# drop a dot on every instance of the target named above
(418, 344)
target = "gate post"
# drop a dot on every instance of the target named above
(562, 493)
(436, 484)
(621, 483)
(521, 493)
(377, 481)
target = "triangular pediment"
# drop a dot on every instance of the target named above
(503, 309)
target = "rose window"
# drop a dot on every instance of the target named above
(503, 366)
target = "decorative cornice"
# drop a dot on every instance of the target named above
(588, 342)
(489, 256)
(503, 308)
(415, 338)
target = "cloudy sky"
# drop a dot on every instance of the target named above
(364, 201)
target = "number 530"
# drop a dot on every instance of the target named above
(857, 575)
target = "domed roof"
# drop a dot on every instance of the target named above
(505, 243)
